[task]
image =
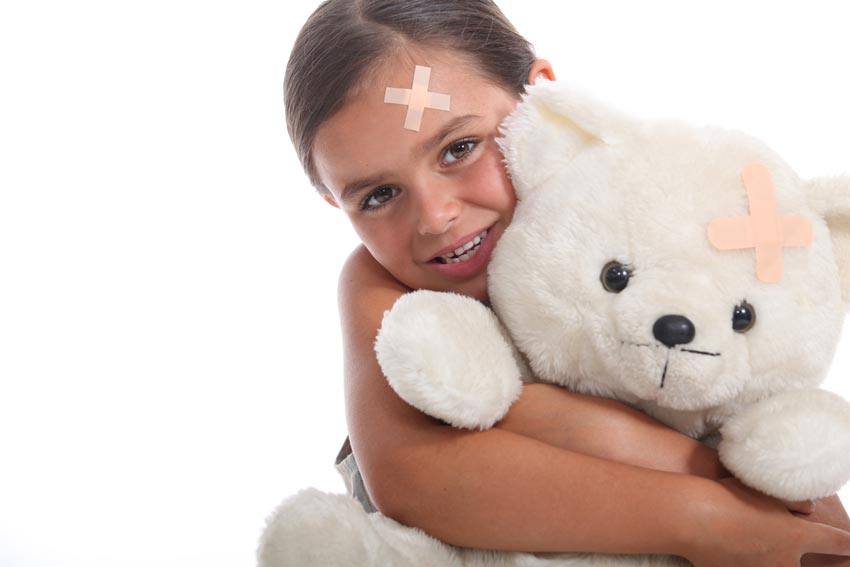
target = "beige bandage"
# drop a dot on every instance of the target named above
(417, 98)
(763, 229)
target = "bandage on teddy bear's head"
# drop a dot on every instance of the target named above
(763, 230)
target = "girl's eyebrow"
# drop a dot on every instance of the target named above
(448, 128)
(355, 187)
(351, 189)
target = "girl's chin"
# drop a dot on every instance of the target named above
(475, 288)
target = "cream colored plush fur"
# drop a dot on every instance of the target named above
(596, 186)
(643, 193)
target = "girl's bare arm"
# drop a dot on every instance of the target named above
(607, 429)
(503, 490)
(611, 430)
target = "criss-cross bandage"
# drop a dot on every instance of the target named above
(417, 98)
(763, 229)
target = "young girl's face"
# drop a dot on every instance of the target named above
(416, 198)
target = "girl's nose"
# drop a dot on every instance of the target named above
(437, 212)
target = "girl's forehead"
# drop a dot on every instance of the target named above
(367, 136)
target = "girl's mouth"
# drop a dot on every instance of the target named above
(464, 252)
(467, 260)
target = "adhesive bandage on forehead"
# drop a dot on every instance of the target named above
(764, 229)
(417, 98)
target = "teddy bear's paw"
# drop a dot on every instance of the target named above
(315, 529)
(448, 356)
(312, 528)
(794, 446)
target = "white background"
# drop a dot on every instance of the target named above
(170, 364)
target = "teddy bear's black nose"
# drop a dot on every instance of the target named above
(674, 330)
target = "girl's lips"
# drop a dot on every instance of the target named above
(473, 266)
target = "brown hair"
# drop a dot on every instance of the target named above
(343, 40)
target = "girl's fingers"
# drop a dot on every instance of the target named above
(801, 507)
(826, 539)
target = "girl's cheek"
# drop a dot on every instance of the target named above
(384, 230)
(487, 178)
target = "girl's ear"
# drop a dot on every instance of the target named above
(549, 128)
(329, 199)
(830, 197)
(540, 69)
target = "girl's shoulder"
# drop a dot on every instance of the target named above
(366, 290)
(361, 274)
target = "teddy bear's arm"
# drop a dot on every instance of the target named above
(448, 356)
(794, 445)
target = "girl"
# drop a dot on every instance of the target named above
(562, 472)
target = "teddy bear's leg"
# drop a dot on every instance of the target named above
(794, 446)
(315, 529)
(449, 356)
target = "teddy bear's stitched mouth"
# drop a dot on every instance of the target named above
(667, 358)
(702, 352)
(699, 352)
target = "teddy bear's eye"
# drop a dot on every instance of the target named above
(743, 317)
(615, 277)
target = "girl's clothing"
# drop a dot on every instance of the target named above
(347, 467)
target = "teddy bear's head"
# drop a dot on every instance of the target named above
(608, 278)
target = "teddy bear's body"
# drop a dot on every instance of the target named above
(615, 279)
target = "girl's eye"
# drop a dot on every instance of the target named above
(458, 151)
(378, 197)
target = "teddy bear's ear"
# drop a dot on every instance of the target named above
(550, 127)
(830, 197)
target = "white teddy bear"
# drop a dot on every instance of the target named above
(609, 281)
(686, 271)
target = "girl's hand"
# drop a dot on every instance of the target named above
(745, 528)
(828, 511)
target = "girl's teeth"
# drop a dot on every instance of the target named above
(462, 258)
(465, 252)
